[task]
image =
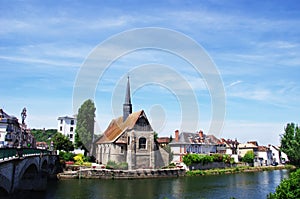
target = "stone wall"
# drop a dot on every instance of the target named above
(161, 158)
(122, 174)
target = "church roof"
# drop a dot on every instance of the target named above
(117, 127)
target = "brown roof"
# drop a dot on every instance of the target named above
(117, 127)
(262, 148)
(162, 140)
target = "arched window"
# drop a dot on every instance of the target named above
(142, 143)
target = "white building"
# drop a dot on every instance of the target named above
(264, 156)
(277, 155)
(9, 129)
(66, 125)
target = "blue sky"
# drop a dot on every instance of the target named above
(255, 46)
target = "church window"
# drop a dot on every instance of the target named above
(122, 149)
(142, 143)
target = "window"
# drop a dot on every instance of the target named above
(128, 140)
(60, 128)
(71, 136)
(71, 129)
(122, 149)
(72, 122)
(61, 121)
(142, 143)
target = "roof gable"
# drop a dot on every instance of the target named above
(117, 127)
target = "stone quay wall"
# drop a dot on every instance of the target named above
(121, 174)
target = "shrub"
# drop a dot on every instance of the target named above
(66, 156)
(288, 188)
(78, 159)
(248, 157)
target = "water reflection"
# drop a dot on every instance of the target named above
(243, 185)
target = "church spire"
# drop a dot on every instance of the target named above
(127, 106)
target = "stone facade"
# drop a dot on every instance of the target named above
(130, 139)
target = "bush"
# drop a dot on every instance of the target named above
(288, 188)
(78, 159)
(190, 159)
(248, 157)
(66, 156)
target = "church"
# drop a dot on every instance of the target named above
(130, 139)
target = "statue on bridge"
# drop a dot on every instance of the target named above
(23, 115)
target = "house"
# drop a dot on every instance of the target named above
(249, 146)
(264, 156)
(66, 125)
(277, 155)
(10, 130)
(130, 139)
(14, 134)
(200, 143)
(230, 146)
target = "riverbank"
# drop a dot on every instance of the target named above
(100, 173)
(94, 173)
(240, 169)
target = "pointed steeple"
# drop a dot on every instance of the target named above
(127, 106)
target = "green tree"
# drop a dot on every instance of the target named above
(288, 188)
(42, 135)
(85, 125)
(61, 142)
(290, 143)
(248, 157)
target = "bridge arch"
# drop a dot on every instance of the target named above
(28, 163)
(5, 185)
(30, 173)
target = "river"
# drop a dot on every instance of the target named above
(242, 185)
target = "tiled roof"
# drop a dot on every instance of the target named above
(194, 138)
(117, 127)
(263, 148)
(163, 140)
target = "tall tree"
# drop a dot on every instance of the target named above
(290, 143)
(85, 125)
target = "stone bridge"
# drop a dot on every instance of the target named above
(26, 169)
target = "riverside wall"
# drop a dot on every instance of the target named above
(121, 174)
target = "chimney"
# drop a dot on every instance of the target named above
(176, 135)
(201, 134)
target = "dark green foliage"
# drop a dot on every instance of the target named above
(155, 135)
(288, 188)
(204, 159)
(66, 156)
(85, 125)
(290, 143)
(61, 142)
(42, 135)
(248, 157)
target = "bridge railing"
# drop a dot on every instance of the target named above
(8, 153)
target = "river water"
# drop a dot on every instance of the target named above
(242, 185)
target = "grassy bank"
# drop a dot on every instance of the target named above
(237, 170)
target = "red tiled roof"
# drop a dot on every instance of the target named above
(162, 140)
(117, 127)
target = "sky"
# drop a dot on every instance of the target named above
(254, 46)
